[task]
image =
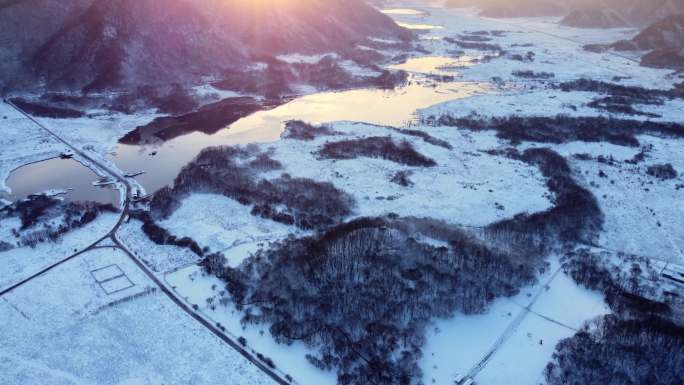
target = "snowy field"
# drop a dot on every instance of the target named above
(635, 203)
(464, 182)
(160, 258)
(558, 49)
(22, 142)
(470, 187)
(456, 345)
(206, 292)
(100, 131)
(543, 101)
(22, 262)
(63, 328)
(223, 225)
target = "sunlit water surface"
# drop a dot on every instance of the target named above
(435, 65)
(419, 26)
(402, 12)
(163, 160)
(396, 107)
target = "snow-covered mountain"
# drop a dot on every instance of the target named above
(521, 8)
(595, 18)
(661, 44)
(644, 12)
(665, 41)
(581, 13)
(104, 44)
(667, 33)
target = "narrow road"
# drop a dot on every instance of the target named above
(141, 265)
(510, 329)
(51, 267)
(199, 318)
(101, 168)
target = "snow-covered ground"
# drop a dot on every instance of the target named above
(456, 345)
(160, 258)
(633, 202)
(470, 187)
(453, 346)
(544, 102)
(223, 225)
(100, 131)
(22, 142)
(63, 328)
(643, 214)
(22, 262)
(464, 187)
(558, 49)
(145, 339)
(206, 292)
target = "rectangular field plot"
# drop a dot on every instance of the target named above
(117, 284)
(111, 279)
(106, 273)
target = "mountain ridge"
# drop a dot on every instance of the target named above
(96, 45)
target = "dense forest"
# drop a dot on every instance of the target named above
(45, 219)
(615, 351)
(427, 138)
(575, 216)
(208, 119)
(381, 147)
(533, 75)
(632, 287)
(298, 130)
(662, 171)
(361, 293)
(476, 45)
(563, 129)
(236, 172)
(642, 94)
(641, 342)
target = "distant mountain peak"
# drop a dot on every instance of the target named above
(93, 45)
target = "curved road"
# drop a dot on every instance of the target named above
(141, 265)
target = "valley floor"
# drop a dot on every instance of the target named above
(70, 326)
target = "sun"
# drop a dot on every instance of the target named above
(265, 4)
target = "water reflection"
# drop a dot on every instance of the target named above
(436, 65)
(420, 27)
(402, 12)
(396, 107)
(59, 174)
(385, 107)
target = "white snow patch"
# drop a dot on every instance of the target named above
(196, 287)
(21, 262)
(134, 336)
(456, 345)
(223, 225)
